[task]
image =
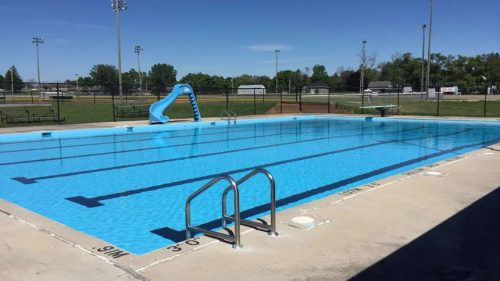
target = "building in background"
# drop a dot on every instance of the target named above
(251, 90)
(381, 86)
(318, 88)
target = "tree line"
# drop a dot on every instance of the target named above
(403, 70)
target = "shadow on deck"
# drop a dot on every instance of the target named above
(464, 247)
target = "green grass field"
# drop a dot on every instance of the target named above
(86, 111)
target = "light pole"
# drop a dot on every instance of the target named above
(118, 6)
(138, 50)
(37, 41)
(423, 26)
(232, 86)
(77, 88)
(276, 52)
(362, 80)
(429, 48)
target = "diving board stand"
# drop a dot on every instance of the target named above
(381, 108)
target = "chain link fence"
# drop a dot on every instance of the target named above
(59, 103)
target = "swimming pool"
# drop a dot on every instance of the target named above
(128, 186)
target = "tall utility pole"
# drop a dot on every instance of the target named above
(276, 52)
(422, 85)
(118, 6)
(429, 48)
(363, 66)
(138, 50)
(37, 41)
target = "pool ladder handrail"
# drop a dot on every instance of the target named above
(269, 228)
(228, 115)
(235, 238)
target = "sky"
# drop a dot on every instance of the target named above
(234, 37)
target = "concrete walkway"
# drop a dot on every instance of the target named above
(415, 226)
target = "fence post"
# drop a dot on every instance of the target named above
(362, 102)
(300, 101)
(329, 98)
(58, 106)
(438, 100)
(254, 103)
(227, 99)
(281, 101)
(113, 104)
(485, 100)
(94, 97)
(399, 105)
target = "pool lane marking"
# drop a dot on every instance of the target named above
(180, 235)
(33, 180)
(151, 139)
(274, 124)
(95, 201)
(161, 147)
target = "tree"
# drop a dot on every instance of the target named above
(18, 81)
(162, 75)
(104, 74)
(319, 74)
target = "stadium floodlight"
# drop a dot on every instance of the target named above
(423, 27)
(118, 6)
(138, 49)
(429, 48)
(37, 41)
(276, 52)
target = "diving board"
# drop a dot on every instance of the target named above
(381, 108)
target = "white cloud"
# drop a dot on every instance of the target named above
(267, 47)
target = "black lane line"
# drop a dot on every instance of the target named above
(147, 139)
(33, 180)
(147, 133)
(180, 235)
(274, 126)
(95, 201)
(163, 147)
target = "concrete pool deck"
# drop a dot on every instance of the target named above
(442, 225)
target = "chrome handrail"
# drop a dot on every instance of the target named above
(228, 115)
(271, 229)
(235, 239)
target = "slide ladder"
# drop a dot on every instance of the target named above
(156, 110)
(233, 237)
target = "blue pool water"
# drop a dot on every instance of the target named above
(129, 187)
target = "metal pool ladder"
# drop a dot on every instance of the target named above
(269, 228)
(228, 115)
(234, 238)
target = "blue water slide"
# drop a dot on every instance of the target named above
(156, 109)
